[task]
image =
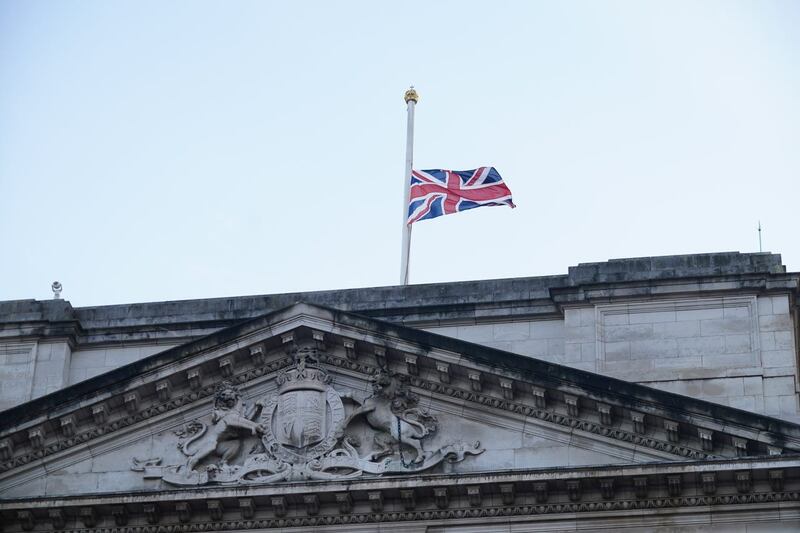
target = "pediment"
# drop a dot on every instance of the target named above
(285, 389)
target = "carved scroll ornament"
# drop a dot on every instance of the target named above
(303, 433)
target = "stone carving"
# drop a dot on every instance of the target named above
(391, 410)
(301, 420)
(140, 465)
(221, 437)
(306, 433)
(681, 448)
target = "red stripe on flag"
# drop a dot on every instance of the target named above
(475, 177)
(476, 195)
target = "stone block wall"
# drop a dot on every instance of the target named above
(88, 363)
(738, 351)
(32, 369)
(691, 336)
(543, 339)
(16, 372)
(29, 370)
(53, 360)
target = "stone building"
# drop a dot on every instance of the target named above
(637, 394)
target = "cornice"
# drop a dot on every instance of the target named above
(431, 304)
(450, 375)
(526, 495)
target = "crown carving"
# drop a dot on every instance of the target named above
(303, 378)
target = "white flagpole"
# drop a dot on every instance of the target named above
(411, 99)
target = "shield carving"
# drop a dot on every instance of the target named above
(301, 418)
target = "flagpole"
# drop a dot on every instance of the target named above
(411, 99)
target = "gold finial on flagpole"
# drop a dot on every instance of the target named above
(411, 94)
(411, 98)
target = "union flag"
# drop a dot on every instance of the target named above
(441, 192)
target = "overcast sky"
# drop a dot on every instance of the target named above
(171, 150)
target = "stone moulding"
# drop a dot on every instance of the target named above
(151, 410)
(344, 503)
(516, 513)
(451, 303)
(150, 405)
(486, 399)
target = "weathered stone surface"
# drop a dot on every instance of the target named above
(550, 318)
(388, 396)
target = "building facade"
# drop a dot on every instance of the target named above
(634, 394)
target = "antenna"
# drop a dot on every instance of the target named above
(759, 237)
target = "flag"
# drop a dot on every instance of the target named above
(441, 192)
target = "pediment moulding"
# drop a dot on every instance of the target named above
(350, 349)
(669, 487)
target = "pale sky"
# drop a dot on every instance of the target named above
(171, 150)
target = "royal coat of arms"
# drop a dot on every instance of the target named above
(302, 432)
(299, 421)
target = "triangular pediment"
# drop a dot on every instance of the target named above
(307, 376)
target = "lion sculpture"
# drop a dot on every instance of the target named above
(223, 436)
(390, 409)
